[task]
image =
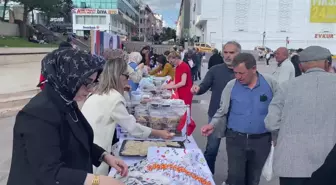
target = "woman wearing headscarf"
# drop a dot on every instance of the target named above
(52, 141)
(164, 68)
(107, 107)
(63, 45)
(133, 61)
(134, 75)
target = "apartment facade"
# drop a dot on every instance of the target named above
(118, 17)
(147, 23)
(272, 23)
(158, 23)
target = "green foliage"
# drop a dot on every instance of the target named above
(37, 4)
(168, 33)
(21, 42)
(52, 8)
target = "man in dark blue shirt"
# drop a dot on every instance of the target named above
(216, 79)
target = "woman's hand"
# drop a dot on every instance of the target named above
(164, 134)
(141, 66)
(167, 86)
(117, 164)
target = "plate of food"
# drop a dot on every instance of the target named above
(139, 148)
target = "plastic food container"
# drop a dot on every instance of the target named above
(172, 121)
(155, 104)
(145, 99)
(179, 110)
(166, 94)
(142, 117)
(156, 120)
(158, 81)
(136, 95)
(177, 102)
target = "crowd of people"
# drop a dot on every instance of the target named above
(57, 143)
(292, 111)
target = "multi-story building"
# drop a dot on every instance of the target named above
(184, 18)
(147, 23)
(114, 16)
(194, 31)
(178, 28)
(158, 23)
(272, 23)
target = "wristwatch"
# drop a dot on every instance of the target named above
(96, 180)
(101, 159)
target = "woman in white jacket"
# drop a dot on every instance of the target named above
(107, 107)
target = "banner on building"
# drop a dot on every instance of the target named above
(102, 40)
(323, 11)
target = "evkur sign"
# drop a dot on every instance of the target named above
(325, 36)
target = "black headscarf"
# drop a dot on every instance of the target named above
(66, 69)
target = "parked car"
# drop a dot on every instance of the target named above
(202, 47)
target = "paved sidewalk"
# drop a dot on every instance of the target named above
(6, 136)
(25, 50)
(19, 77)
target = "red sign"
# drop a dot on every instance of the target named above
(93, 11)
(86, 11)
(325, 36)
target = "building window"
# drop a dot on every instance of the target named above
(102, 19)
(90, 19)
(83, 4)
(79, 19)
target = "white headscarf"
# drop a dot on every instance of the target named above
(135, 57)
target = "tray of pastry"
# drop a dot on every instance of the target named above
(139, 148)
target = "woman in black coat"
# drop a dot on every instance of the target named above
(53, 142)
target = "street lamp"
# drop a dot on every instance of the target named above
(264, 36)
(152, 33)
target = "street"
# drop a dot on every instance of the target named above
(199, 114)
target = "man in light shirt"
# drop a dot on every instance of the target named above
(285, 70)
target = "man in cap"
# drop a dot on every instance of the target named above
(302, 118)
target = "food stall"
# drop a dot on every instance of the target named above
(155, 161)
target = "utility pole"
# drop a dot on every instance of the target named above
(263, 42)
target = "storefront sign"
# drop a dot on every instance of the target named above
(325, 36)
(94, 11)
(57, 19)
(323, 11)
(90, 27)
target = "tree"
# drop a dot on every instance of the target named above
(4, 9)
(61, 9)
(168, 33)
(30, 5)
